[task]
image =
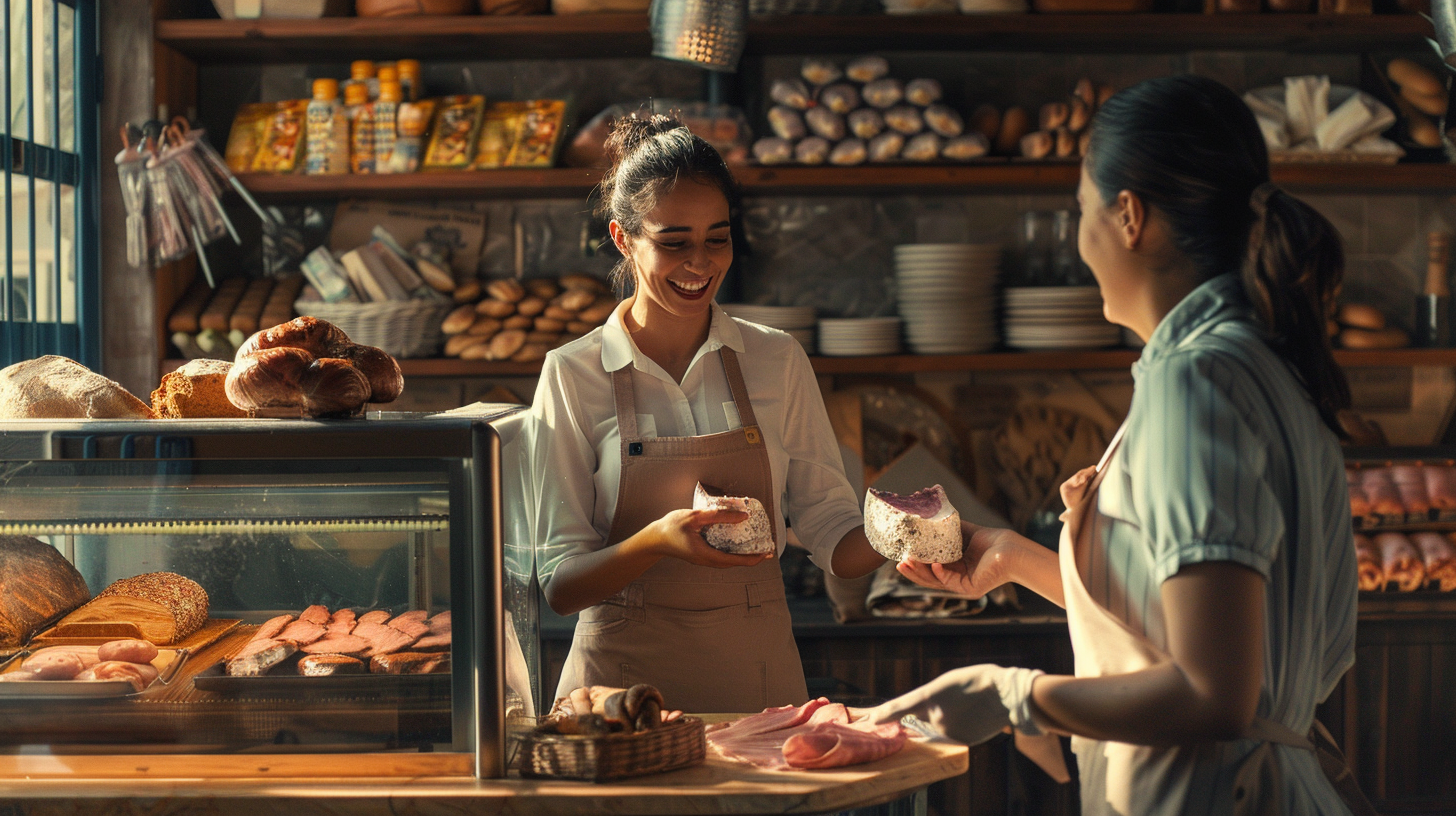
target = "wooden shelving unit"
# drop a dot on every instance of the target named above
(1096, 360)
(990, 176)
(626, 35)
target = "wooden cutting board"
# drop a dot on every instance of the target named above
(92, 633)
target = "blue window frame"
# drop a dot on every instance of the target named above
(49, 151)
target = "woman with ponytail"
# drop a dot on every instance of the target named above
(669, 394)
(1207, 565)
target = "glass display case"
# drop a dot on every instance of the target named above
(304, 525)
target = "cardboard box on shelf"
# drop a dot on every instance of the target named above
(461, 230)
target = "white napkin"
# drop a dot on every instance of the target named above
(1359, 117)
(1306, 104)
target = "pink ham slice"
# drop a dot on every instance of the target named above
(410, 626)
(440, 624)
(376, 616)
(270, 629)
(315, 614)
(432, 643)
(832, 745)
(416, 615)
(301, 633)
(341, 618)
(821, 732)
(383, 639)
(338, 644)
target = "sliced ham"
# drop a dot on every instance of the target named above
(410, 625)
(270, 629)
(336, 629)
(341, 619)
(383, 639)
(375, 616)
(416, 615)
(440, 624)
(820, 732)
(140, 675)
(832, 745)
(433, 643)
(338, 644)
(301, 632)
(315, 614)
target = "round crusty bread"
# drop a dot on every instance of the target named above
(54, 387)
(40, 584)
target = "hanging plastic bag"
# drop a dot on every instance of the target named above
(218, 167)
(131, 169)
(168, 226)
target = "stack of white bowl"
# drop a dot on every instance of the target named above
(798, 321)
(947, 295)
(859, 336)
(1057, 317)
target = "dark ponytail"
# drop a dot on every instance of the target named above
(650, 153)
(1191, 149)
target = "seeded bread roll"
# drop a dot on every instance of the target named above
(164, 606)
(40, 584)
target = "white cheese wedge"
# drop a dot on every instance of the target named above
(749, 537)
(922, 526)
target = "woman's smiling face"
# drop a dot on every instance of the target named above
(683, 251)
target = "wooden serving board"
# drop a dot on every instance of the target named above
(94, 633)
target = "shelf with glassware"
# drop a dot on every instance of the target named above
(626, 35)
(985, 176)
(1086, 360)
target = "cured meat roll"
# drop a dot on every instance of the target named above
(1359, 506)
(1382, 494)
(1401, 561)
(1368, 562)
(1410, 483)
(1439, 553)
(1441, 488)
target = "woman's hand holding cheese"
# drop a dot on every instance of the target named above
(680, 535)
(993, 557)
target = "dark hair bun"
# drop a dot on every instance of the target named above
(632, 130)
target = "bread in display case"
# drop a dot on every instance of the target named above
(245, 587)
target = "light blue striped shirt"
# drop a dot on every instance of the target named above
(1225, 458)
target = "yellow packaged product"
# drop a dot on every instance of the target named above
(412, 122)
(283, 141)
(498, 134)
(456, 126)
(538, 134)
(250, 126)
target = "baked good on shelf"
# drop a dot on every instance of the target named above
(164, 606)
(312, 366)
(54, 387)
(40, 584)
(197, 390)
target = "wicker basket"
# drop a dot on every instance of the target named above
(770, 8)
(403, 328)
(673, 745)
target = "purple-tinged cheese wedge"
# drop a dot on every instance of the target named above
(922, 526)
(749, 537)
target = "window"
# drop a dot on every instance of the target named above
(50, 303)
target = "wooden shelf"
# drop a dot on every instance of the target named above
(626, 35)
(1097, 360)
(988, 177)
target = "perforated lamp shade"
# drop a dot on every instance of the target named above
(706, 33)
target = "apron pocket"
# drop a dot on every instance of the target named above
(699, 618)
(607, 618)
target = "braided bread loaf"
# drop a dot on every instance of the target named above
(312, 365)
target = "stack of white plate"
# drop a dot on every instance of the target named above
(1057, 317)
(859, 336)
(798, 321)
(947, 295)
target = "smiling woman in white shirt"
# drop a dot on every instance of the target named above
(669, 393)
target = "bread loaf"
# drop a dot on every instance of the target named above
(490, 307)
(165, 606)
(197, 390)
(53, 387)
(40, 584)
(250, 306)
(1361, 316)
(188, 310)
(485, 327)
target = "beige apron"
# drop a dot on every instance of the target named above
(1104, 645)
(711, 640)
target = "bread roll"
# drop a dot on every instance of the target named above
(546, 338)
(533, 352)
(841, 98)
(197, 390)
(549, 324)
(791, 92)
(818, 71)
(964, 148)
(579, 327)
(1361, 316)
(787, 123)
(1411, 74)
(1066, 143)
(503, 345)
(1037, 145)
(1084, 141)
(467, 292)
(542, 288)
(164, 606)
(986, 119)
(596, 286)
(531, 306)
(506, 290)
(436, 276)
(849, 152)
(458, 320)
(456, 345)
(923, 92)
(867, 69)
(1014, 126)
(945, 121)
(518, 321)
(250, 306)
(826, 123)
(290, 378)
(279, 308)
(554, 312)
(1080, 115)
(187, 311)
(773, 150)
(1086, 91)
(575, 300)
(479, 351)
(40, 585)
(485, 327)
(490, 307)
(599, 311)
(883, 93)
(886, 146)
(224, 301)
(905, 119)
(54, 387)
(1369, 339)
(866, 123)
(1054, 115)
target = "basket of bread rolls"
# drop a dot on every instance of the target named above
(600, 733)
(520, 321)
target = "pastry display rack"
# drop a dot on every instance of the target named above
(393, 514)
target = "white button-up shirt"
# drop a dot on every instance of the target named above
(1225, 458)
(576, 445)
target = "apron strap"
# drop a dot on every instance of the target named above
(1266, 730)
(737, 386)
(626, 405)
